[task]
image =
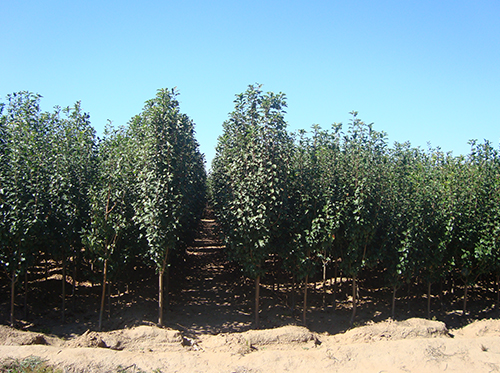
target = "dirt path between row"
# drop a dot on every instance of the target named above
(210, 299)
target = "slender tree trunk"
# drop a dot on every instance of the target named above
(304, 310)
(13, 280)
(26, 294)
(335, 285)
(498, 290)
(73, 279)
(75, 270)
(292, 295)
(464, 311)
(63, 306)
(103, 293)
(441, 294)
(110, 284)
(161, 291)
(324, 286)
(393, 311)
(257, 295)
(166, 295)
(160, 297)
(354, 299)
(429, 300)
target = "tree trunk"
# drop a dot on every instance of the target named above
(292, 295)
(257, 295)
(73, 280)
(103, 293)
(166, 295)
(498, 290)
(161, 290)
(324, 286)
(429, 300)
(160, 297)
(464, 311)
(441, 294)
(63, 306)
(393, 311)
(75, 272)
(12, 296)
(335, 285)
(110, 284)
(25, 294)
(354, 299)
(304, 311)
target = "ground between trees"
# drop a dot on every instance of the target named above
(210, 294)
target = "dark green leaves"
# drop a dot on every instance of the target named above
(250, 178)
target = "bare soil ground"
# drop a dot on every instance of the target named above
(209, 325)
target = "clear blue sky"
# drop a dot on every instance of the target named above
(420, 70)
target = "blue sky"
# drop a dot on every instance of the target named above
(423, 71)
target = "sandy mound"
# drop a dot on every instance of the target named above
(395, 330)
(414, 345)
(250, 341)
(14, 337)
(482, 328)
(283, 335)
(149, 338)
(87, 339)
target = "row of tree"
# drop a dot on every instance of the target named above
(339, 197)
(343, 197)
(67, 195)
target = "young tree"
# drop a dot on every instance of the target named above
(397, 254)
(430, 224)
(168, 166)
(474, 197)
(24, 184)
(71, 168)
(110, 201)
(358, 203)
(250, 173)
(309, 223)
(488, 247)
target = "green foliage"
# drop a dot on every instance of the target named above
(170, 176)
(23, 192)
(71, 163)
(110, 197)
(356, 199)
(138, 192)
(169, 180)
(250, 178)
(309, 223)
(397, 254)
(474, 201)
(428, 232)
